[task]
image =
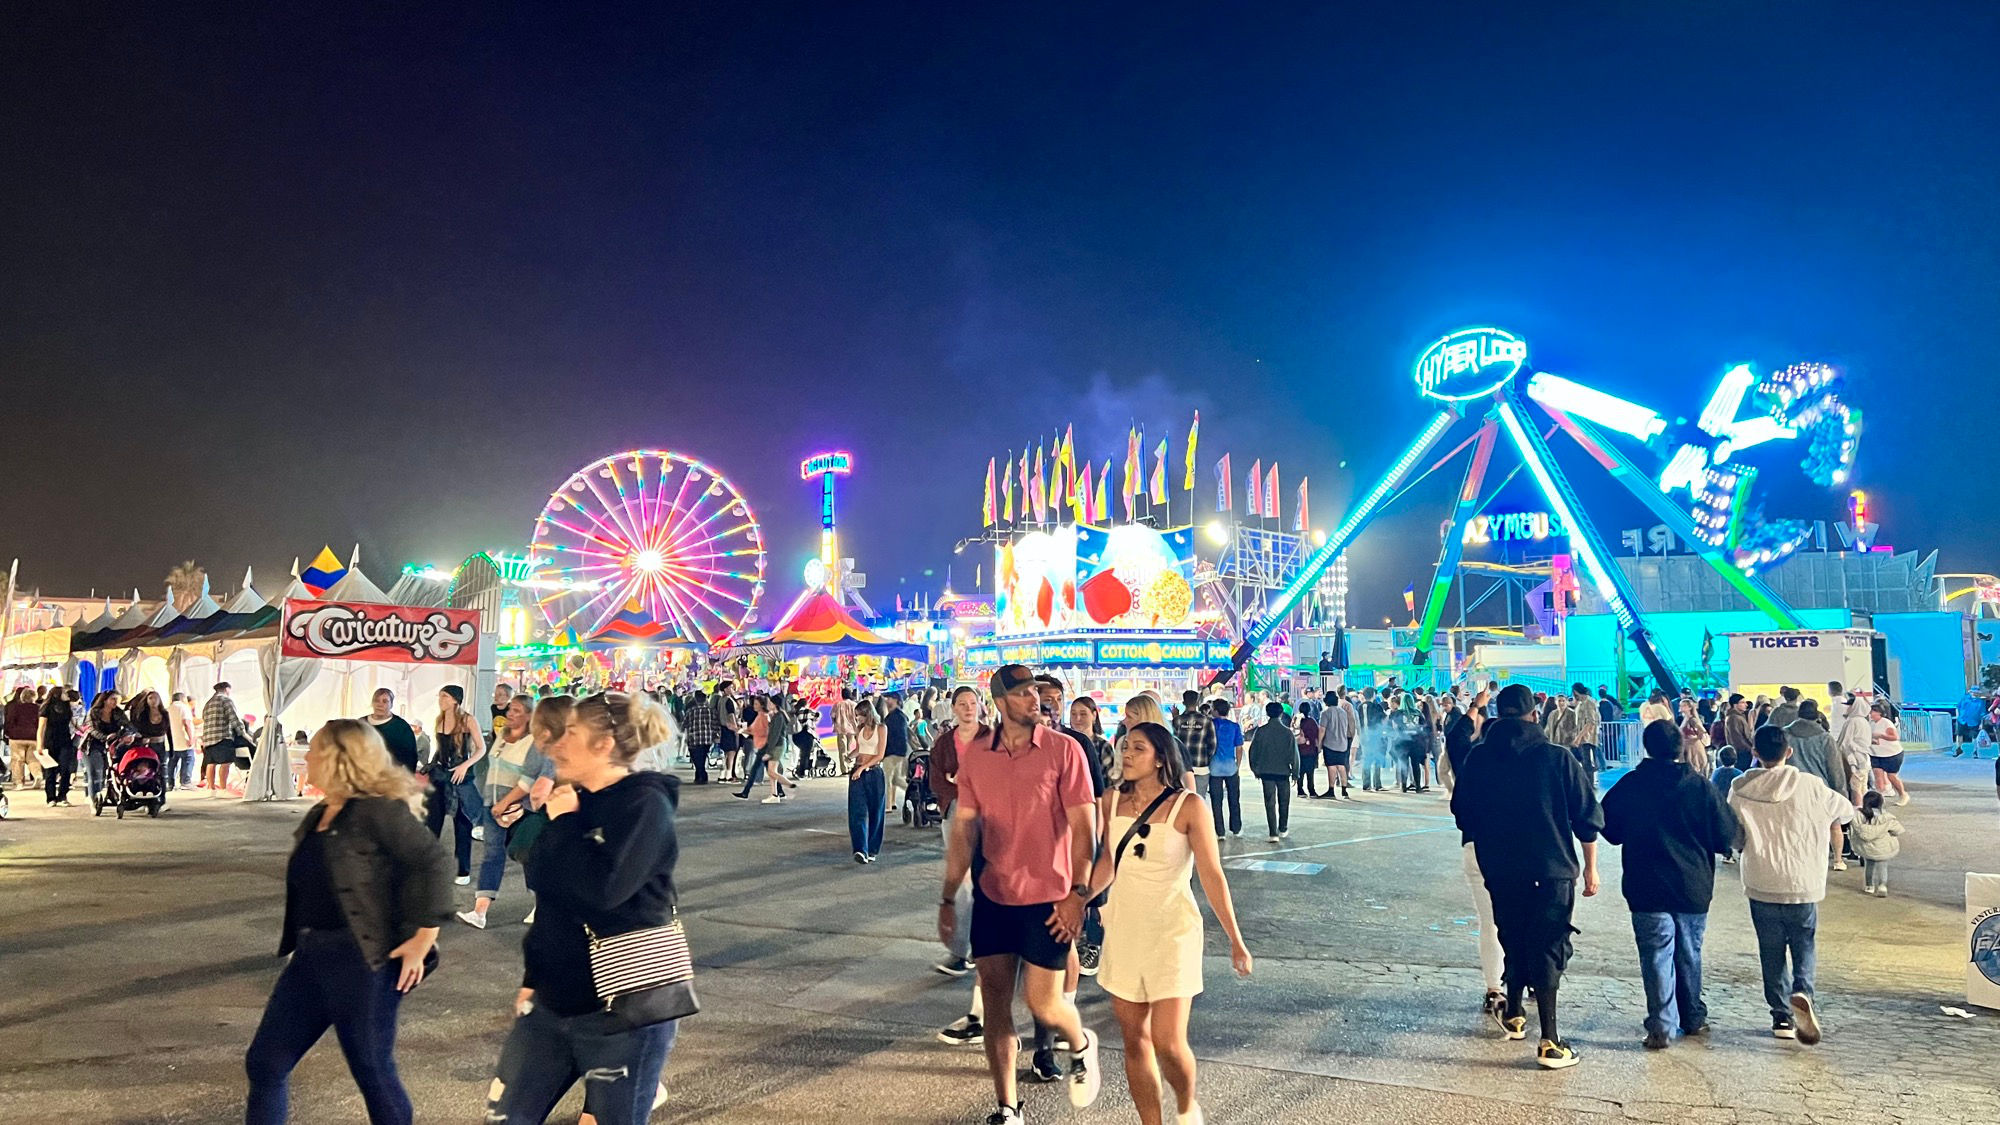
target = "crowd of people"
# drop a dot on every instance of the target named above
(1068, 852)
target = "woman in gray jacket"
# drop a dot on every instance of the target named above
(365, 892)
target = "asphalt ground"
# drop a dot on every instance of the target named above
(135, 958)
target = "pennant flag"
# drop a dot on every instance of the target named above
(1101, 507)
(1007, 489)
(1256, 505)
(990, 512)
(1026, 492)
(1079, 494)
(1129, 486)
(1194, 434)
(1056, 493)
(1039, 491)
(1225, 496)
(1271, 493)
(1301, 521)
(1159, 489)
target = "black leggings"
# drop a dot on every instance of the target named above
(1277, 804)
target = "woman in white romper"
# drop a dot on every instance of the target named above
(1152, 928)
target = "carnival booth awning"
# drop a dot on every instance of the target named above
(816, 625)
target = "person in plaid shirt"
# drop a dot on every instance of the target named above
(1196, 732)
(704, 730)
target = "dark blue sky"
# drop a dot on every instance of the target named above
(390, 277)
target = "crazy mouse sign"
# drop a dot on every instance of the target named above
(398, 634)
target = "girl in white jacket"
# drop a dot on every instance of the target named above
(1874, 834)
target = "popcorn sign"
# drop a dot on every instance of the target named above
(397, 634)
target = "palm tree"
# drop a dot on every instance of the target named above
(186, 583)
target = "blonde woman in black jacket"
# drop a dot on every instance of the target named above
(365, 892)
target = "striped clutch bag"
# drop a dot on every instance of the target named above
(647, 975)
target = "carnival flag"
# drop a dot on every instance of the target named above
(1256, 505)
(1027, 493)
(1225, 496)
(989, 513)
(1160, 473)
(1080, 495)
(1194, 432)
(1129, 485)
(1056, 492)
(1039, 491)
(1007, 490)
(1301, 521)
(1069, 460)
(1101, 507)
(1271, 493)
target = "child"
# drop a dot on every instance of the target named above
(1725, 775)
(1874, 834)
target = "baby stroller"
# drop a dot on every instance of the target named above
(136, 779)
(920, 807)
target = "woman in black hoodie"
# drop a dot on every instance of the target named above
(604, 866)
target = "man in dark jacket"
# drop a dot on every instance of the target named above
(1524, 803)
(1274, 758)
(1672, 824)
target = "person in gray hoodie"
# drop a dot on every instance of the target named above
(1785, 816)
(1815, 752)
(1787, 710)
(1274, 758)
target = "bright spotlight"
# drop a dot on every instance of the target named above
(649, 561)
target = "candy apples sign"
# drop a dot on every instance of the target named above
(397, 634)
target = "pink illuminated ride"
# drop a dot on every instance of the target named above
(655, 534)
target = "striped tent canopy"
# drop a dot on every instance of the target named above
(817, 625)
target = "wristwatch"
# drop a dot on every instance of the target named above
(1080, 890)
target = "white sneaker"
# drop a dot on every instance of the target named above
(1193, 1116)
(1840, 865)
(773, 800)
(463, 880)
(1084, 1079)
(479, 831)
(472, 918)
(1274, 839)
(530, 919)
(1005, 1115)
(659, 1095)
(1903, 800)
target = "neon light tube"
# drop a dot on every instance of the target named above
(1559, 503)
(1558, 393)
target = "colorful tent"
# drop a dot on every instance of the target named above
(634, 626)
(816, 625)
(324, 572)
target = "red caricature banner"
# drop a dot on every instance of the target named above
(396, 634)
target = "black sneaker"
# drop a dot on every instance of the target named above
(1555, 1056)
(963, 1032)
(1657, 1041)
(1005, 1115)
(953, 966)
(1044, 1068)
(1804, 1019)
(1782, 1029)
(1088, 955)
(1495, 1008)
(1516, 1027)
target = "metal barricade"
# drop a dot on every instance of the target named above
(1927, 730)
(1620, 742)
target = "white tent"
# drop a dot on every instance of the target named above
(303, 693)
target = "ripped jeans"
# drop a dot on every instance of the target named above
(546, 1054)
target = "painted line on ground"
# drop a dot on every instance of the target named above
(1337, 843)
(1275, 867)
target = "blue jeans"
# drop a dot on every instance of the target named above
(492, 861)
(329, 984)
(756, 775)
(1785, 928)
(865, 811)
(1670, 967)
(96, 764)
(545, 1054)
(463, 803)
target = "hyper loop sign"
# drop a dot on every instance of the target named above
(396, 634)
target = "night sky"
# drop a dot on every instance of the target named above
(389, 277)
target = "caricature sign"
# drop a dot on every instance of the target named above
(397, 634)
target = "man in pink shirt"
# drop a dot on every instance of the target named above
(1024, 796)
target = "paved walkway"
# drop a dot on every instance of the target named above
(135, 956)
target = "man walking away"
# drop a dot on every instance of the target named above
(1583, 726)
(1785, 818)
(1274, 758)
(1672, 824)
(896, 752)
(1815, 754)
(1336, 734)
(1225, 769)
(1026, 794)
(1196, 733)
(1524, 803)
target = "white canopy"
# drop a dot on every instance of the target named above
(246, 602)
(132, 618)
(354, 586)
(101, 621)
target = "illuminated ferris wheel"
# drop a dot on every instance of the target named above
(650, 535)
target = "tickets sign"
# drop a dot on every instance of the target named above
(396, 634)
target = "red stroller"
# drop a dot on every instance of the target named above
(137, 779)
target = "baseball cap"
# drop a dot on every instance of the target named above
(1010, 676)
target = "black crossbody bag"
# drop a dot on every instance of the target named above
(1145, 818)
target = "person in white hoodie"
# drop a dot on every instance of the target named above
(1785, 816)
(1853, 735)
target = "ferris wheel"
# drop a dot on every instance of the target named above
(650, 534)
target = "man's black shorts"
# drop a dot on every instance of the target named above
(1533, 920)
(1020, 930)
